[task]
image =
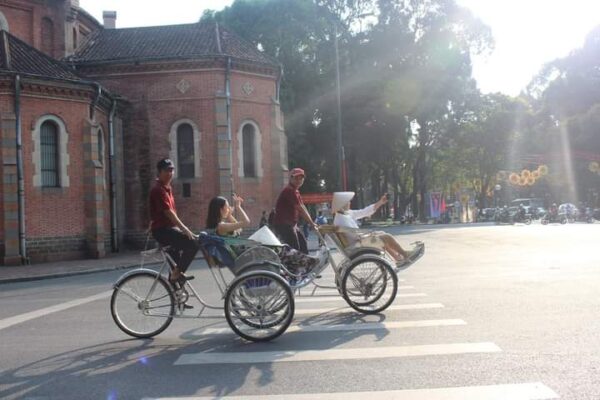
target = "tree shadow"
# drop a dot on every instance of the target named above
(124, 369)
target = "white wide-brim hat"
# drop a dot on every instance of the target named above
(340, 199)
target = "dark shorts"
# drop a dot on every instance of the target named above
(183, 249)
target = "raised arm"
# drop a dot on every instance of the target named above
(231, 224)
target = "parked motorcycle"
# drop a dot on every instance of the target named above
(586, 215)
(504, 216)
(522, 218)
(554, 219)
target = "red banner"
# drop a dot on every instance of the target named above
(317, 198)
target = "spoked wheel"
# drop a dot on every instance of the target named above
(369, 285)
(142, 304)
(259, 306)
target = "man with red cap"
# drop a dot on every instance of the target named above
(288, 209)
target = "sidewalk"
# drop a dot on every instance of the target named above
(112, 261)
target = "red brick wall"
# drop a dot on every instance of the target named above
(258, 194)
(25, 20)
(52, 212)
(156, 104)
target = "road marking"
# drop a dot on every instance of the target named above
(324, 299)
(253, 357)
(354, 326)
(519, 391)
(17, 319)
(335, 292)
(419, 306)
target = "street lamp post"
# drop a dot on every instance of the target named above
(497, 189)
(339, 143)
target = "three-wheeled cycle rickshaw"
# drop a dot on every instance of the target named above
(258, 301)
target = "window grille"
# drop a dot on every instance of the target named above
(249, 150)
(185, 151)
(49, 153)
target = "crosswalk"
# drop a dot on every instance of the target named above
(332, 315)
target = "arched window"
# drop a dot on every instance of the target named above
(249, 150)
(47, 35)
(3, 22)
(184, 138)
(185, 151)
(50, 155)
(49, 143)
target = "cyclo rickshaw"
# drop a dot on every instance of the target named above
(258, 301)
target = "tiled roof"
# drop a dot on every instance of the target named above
(188, 41)
(17, 56)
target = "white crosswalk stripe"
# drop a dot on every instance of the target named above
(517, 391)
(334, 354)
(521, 391)
(322, 299)
(357, 326)
(394, 307)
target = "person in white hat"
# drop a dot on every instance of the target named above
(346, 217)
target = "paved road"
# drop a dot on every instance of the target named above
(490, 312)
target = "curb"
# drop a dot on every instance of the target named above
(64, 274)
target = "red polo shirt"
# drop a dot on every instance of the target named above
(161, 199)
(287, 206)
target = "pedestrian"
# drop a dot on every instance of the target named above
(288, 210)
(166, 227)
(263, 220)
(320, 220)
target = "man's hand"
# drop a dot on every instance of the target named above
(382, 200)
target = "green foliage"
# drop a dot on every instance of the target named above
(412, 117)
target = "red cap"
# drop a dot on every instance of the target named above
(296, 172)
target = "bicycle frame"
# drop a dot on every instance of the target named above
(163, 271)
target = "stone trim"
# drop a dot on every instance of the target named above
(4, 22)
(197, 152)
(257, 147)
(63, 140)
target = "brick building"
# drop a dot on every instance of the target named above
(86, 110)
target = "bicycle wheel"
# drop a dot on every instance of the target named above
(259, 306)
(369, 285)
(142, 304)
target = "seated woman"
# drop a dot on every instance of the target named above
(221, 221)
(348, 218)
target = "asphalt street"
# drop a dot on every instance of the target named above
(490, 312)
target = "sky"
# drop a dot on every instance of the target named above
(528, 33)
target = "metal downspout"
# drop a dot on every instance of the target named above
(114, 239)
(20, 180)
(228, 107)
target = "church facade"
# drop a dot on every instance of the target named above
(86, 110)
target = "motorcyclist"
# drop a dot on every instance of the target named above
(522, 211)
(553, 211)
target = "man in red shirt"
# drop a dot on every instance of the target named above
(288, 209)
(167, 228)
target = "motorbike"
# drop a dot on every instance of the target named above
(504, 216)
(522, 218)
(554, 219)
(586, 215)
